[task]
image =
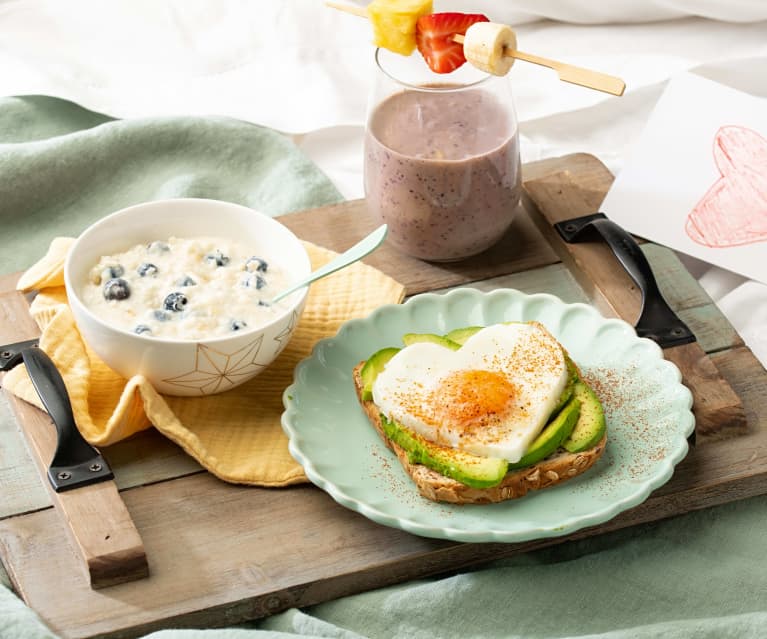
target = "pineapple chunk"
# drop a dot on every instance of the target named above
(394, 23)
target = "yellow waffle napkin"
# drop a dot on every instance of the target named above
(235, 435)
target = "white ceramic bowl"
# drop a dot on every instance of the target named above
(176, 366)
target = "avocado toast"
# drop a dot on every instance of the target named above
(570, 441)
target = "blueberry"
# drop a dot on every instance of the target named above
(256, 264)
(160, 315)
(216, 258)
(185, 281)
(141, 329)
(253, 280)
(237, 325)
(175, 302)
(157, 247)
(116, 289)
(112, 271)
(147, 268)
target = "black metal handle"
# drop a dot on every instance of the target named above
(657, 321)
(75, 462)
(10, 354)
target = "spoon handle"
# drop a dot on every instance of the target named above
(357, 252)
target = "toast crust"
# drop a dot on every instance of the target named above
(553, 470)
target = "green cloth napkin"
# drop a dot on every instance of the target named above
(702, 575)
(63, 167)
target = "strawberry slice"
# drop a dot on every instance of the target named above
(434, 38)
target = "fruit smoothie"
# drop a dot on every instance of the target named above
(443, 171)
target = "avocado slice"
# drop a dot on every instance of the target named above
(552, 436)
(374, 365)
(412, 338)
(591, 425)
(460, 335)
(471, 470)
(572, 377)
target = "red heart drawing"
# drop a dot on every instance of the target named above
(733, 211)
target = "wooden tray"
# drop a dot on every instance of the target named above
(221, 554)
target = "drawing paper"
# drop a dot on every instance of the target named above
(696, 181)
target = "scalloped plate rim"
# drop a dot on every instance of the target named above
(664, 472)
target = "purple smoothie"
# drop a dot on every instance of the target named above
(442, 170)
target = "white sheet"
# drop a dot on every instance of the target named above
(302, 68)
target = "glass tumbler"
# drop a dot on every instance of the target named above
(441, 163)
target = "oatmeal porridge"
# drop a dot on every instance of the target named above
(189, 288)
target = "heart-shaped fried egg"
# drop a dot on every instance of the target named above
(491, 397)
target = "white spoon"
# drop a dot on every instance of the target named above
(357, 252)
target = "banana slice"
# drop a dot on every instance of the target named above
(486, 44)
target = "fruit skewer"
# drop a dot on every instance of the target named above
(566, 72)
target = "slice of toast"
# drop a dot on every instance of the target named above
(553, 470)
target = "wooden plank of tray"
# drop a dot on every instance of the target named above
(99, 526)
(252, 552)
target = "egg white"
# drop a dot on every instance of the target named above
(411, 388)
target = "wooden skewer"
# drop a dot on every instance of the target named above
(570, 73)
(566, 72)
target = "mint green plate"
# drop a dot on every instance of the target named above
(646, 406)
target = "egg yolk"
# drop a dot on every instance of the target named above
(472, 398)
